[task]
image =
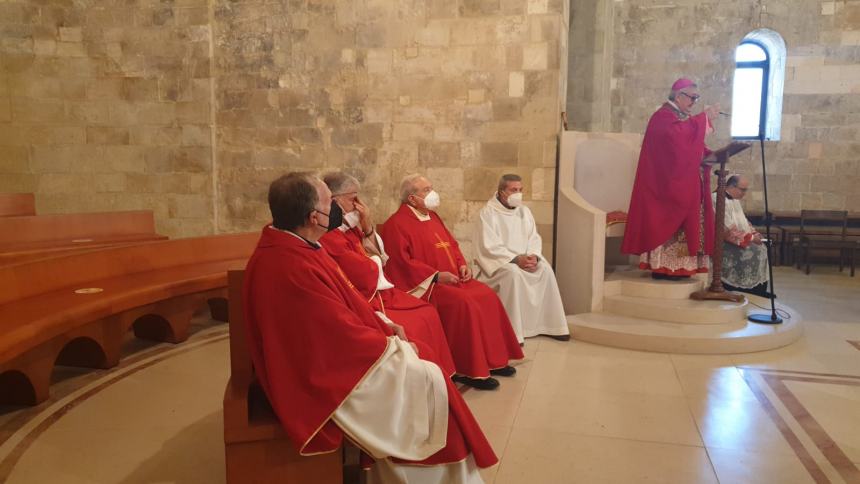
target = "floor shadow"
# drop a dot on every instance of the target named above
(193, 456)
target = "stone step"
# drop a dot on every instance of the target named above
(667, 337)
(640, 284)
(683, 311)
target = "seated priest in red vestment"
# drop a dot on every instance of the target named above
(356, 247)
(333, 368)
(670, 224)
(425, 261)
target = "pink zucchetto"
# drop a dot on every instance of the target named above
(682, 83)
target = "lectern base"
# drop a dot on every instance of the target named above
(765, 318)
(708, 295)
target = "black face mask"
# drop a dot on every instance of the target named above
(335, 216)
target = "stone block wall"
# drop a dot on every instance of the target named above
(462, 91)
(111, 105)
(105, 105)
(816, 165)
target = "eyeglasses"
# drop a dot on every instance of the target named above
(694, 97)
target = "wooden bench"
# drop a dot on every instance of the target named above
(785, 231)
(30, 237)
(257, 449)
(15, 204)
(75, 310)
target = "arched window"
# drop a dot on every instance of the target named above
(758, 86)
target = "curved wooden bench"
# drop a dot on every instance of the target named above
(24, 252)
(30, 237)
(152, 288)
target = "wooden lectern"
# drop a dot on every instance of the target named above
(716, 290)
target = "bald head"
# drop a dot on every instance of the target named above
(737, 186)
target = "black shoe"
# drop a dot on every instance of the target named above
(558, 337)
(666, 277)
(477, 383)
(677, 278)
(504, 371)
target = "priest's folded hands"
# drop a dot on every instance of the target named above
(465, 273)
(526, 262)
(447, 278)
(398, 330)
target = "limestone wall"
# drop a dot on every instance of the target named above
(816, 165)
(462, 91)
(104, 105)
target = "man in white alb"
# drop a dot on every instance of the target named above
(509, 259)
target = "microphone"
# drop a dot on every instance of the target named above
(728, 115)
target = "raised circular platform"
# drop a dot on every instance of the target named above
(643, 314)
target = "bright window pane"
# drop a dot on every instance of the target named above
(746, 102)
(749, 53)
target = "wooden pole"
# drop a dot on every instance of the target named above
(719, 229)
(716, 291)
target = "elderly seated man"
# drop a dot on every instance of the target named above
(425, 260)
(744, 255)
(508, 249)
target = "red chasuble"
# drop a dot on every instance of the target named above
(419, 319)
(312, 339)
(477, 327)
(669, 189)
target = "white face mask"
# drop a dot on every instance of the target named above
(432, 201)
(515, 199)
(351, 219)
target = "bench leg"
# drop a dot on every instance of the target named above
(26, 380)
(96, 345)
(84, 353)
(168, 326)
(17, 389)
(169, 320)
(218, 309)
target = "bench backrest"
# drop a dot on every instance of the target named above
(33, 228)
(18, 281)
(838, 216)
(15, 204)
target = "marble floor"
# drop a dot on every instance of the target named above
(574, 412)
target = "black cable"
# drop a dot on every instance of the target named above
(781, 312)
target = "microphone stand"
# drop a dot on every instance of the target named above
(771, 318)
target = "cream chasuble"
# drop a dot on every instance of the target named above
(392, 414)
(531, 299)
